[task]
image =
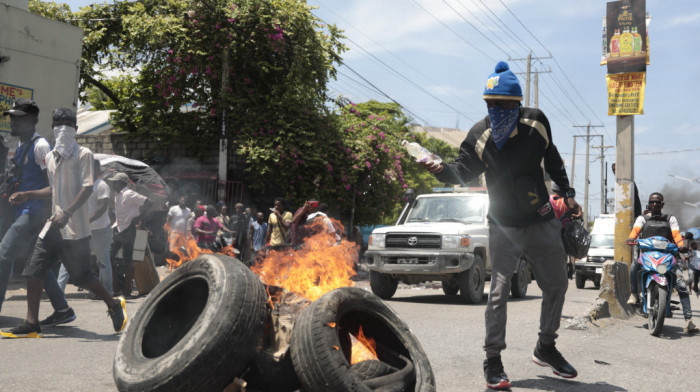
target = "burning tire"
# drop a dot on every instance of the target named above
(321, 349)
(196, 331)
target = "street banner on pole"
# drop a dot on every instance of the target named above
(625, 34)
(626, 93)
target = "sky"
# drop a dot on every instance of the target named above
(434, 56)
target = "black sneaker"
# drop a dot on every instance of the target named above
(24, 330)
(58, 318)
(496, 378)
(118, 314)
(548, 355)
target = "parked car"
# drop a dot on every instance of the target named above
(601, 250)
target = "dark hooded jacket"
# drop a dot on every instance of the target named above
(514, 175)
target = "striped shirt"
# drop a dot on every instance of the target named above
(67, 176)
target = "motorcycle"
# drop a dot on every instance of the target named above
(658, 257)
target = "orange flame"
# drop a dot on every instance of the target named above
(364, 348)
(186, 249)
(317, 267)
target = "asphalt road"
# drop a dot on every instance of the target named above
(615, 356)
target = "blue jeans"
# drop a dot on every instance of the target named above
(99, 245)
(17, 243)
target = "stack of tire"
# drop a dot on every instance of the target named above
(203, 326)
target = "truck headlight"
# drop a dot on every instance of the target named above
(456, 241)
(377, 240)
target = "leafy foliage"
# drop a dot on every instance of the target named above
(255, 71)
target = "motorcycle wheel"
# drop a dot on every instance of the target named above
(657, 310)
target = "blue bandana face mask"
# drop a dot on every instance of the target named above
(503, 122)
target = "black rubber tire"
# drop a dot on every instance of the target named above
(450, 287)
(657, 311)
(372, 368)
(196, 331)
(320, 350)
(520, 280)
(580, 281)
(596, 282)
(382, 285)
(471, 282)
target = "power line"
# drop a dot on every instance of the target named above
(523, 44)
(558, 65)
(385, 94)
(667, 152)
(392, 53)
(498, 36)
(474, 27)
(455, 33)
(409, 80)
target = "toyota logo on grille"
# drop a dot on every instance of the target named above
(413, 240)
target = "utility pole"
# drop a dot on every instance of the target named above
(588, 144)
(624, 187)
(223, 141)
(573, 162)
(603, 176)
(528, 73)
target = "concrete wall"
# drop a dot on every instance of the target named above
(175, 154)
(41, 61)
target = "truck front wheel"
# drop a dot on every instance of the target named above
(383, 285)
(450, 286)
(471, 282)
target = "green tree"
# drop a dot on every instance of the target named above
(373, 168)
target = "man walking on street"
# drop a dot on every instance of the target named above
(66, 234)
(508, 146)
(28, 216)
(127, 209)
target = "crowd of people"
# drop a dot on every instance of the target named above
(248, 230)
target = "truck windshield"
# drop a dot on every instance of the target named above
(467, 209)
(602, 241)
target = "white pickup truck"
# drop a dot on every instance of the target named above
(439, 237)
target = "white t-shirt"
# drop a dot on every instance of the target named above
(66, 177)
(178, 218)
(127, 206)
(100, 191)
(41, 148)
(694, 259)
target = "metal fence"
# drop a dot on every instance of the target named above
(229, 191)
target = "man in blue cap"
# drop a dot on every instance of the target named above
(508, 146)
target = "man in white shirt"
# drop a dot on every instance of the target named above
(101, 233)
(177, 220)
(127, 209)
(66, 234)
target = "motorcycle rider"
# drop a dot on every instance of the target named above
(652, 224)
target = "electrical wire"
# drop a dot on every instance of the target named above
(454, 32)
(392, 53)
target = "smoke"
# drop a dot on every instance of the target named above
(675, 198)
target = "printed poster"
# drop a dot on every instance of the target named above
(626, 93)
(625, 36)
(8, 94)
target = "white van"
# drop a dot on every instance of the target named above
(602, 249)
